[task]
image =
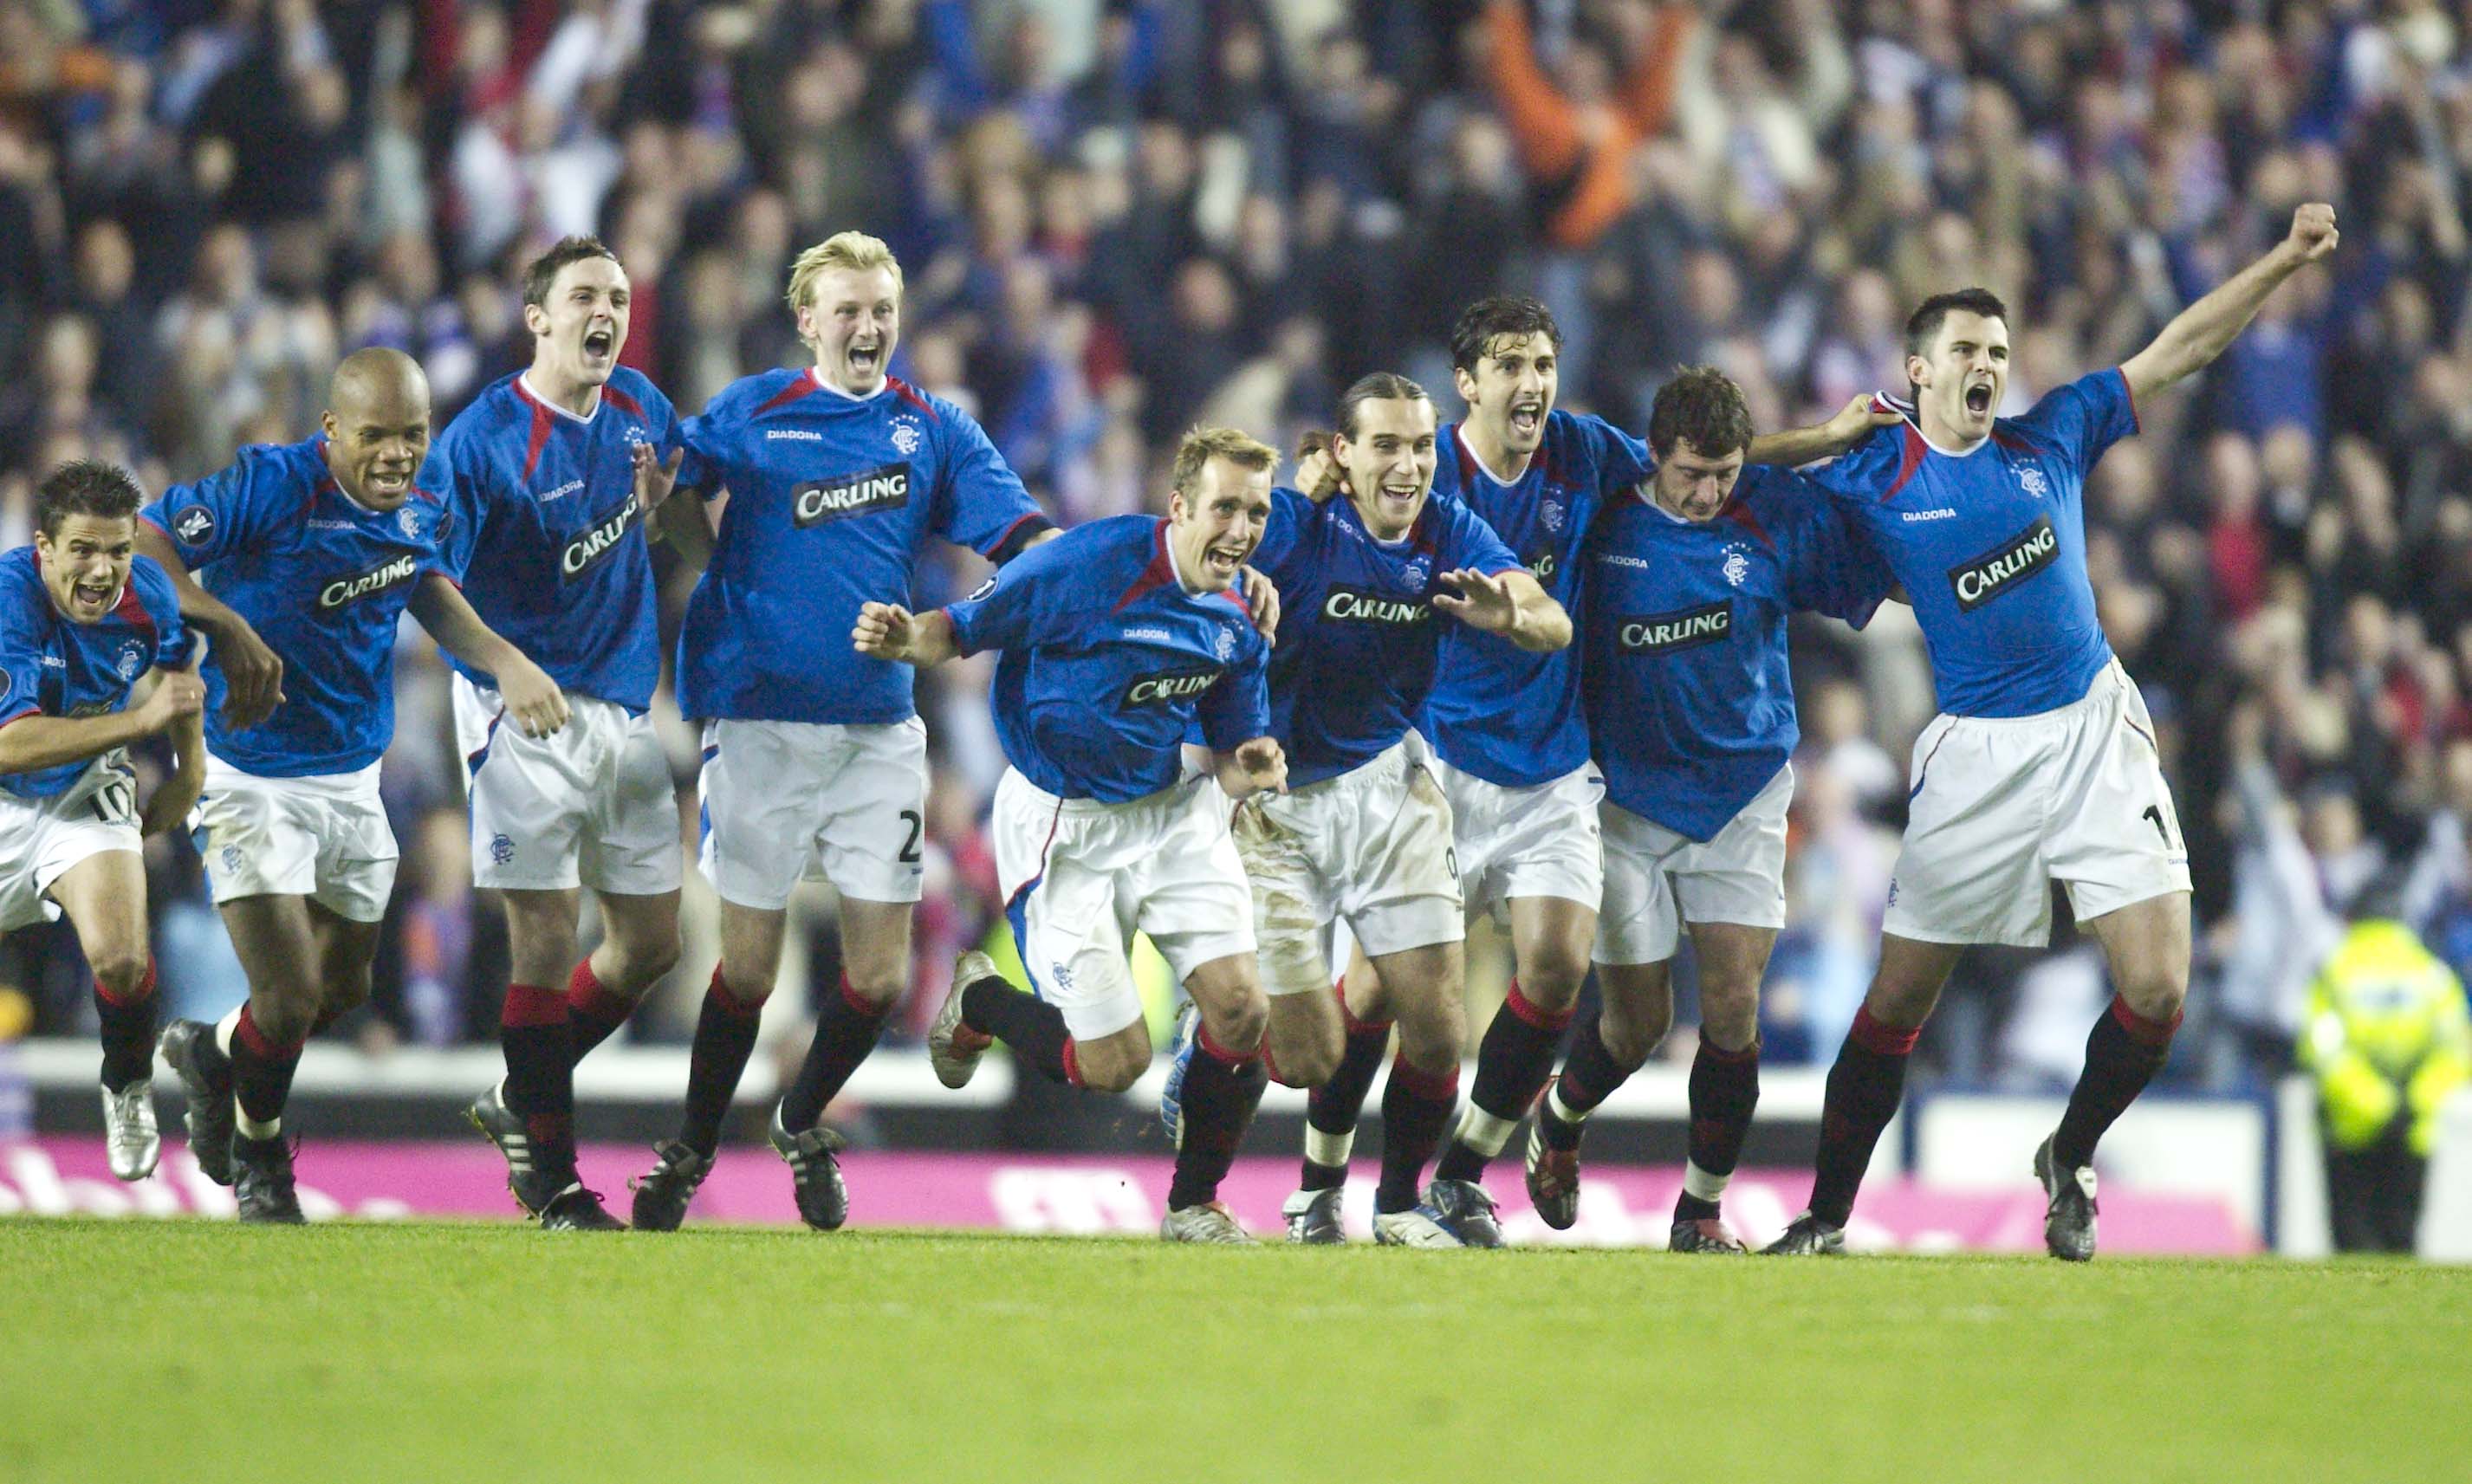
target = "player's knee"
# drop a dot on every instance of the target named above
(1630, 1033)
(1109, 1066)
(119, 967)
(881, 988)
(1551, 974)
(2156, 992)
(1240, 1027)
(1308, 1061)
(1729, 1014)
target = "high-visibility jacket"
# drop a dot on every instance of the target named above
(2389, 1036)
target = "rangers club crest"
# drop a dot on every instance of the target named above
(1738, 563)
(501, 849)
(906, 435)
(408, 521)
(1553, 514)
(1419, 570)
(1227, 642)
(2031, 479)
(231, 857)
(131, 657)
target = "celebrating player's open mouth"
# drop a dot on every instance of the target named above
(1528, 416)
(600, 346)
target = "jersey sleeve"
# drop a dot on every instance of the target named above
(1467, 541)
(174, 641)
(980, 501)
(21, 666)
(1021, 604)
(1236, 708)
(1830, 565)
(467, 502)
(1866, 473)
(701, 467)
(224, 513)
(1622, 460)
(1288, 513)
(2084, 417)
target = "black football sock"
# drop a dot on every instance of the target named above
(1029, 1028)
(724, 1037)
(1221, 1091)
(1331, 1109)
(1590, 1076)
(844, 1033)
(1864, 1087)
(2123, 1053)
(262, 1069)
(1724, 1090)
(540, 1073)
(594, 1011)
(1416, 1107)
(127, 1030)
(1511, 1065)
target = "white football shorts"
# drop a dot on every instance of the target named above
(1655, 880)
(325, 838)
(1371, 847)
(789, 800)
(1536, 842)
(1081, 877)
(591, 806)
(2000, 807)
(41, 838)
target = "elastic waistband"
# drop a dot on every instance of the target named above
(358, 784)
(1175, 793)
(2108, 684)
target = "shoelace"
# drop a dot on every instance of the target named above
(132, 1114)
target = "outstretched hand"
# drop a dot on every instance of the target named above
(1486, 604)
(656, 477)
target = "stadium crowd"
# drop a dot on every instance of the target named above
(1120, 217)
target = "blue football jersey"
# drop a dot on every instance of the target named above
(1991, 545)
(323, 580)
(1509, 715)
(51, 665)
(549, 542)
(1357, 646)
(1690, 697)
(831, 498)
(1108, 661)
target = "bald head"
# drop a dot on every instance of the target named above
(377, 376)
(377, 426)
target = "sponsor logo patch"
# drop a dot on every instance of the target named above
(341, 592)
(1685, 628)
(1927, 515)
(2013, 561)
(1166, 687)
(1357, 605)
(793, 435)
(588, 550)
(194, 526)
(885, 488)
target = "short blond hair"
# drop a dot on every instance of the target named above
(1234, 444)
(853, 250)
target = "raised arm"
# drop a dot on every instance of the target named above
(252, 672)
(1796, 446)
(532, 696)
(2205, 329)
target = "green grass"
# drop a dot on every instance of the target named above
(158, 1351)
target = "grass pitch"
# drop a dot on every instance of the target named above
(187, 1350)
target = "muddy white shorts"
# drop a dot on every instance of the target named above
(41, 838)
(589, 806)
(1535, 841)
(2004, 806)
(325, 838)
(790, 800)
(1081, 877)
(1655, 880)
(1371, 847)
